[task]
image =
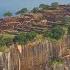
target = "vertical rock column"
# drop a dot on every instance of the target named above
(1, 61)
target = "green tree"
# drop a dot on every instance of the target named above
(22, 11)
(54, 5)
(55, 33)
(35, 10)
(8, 40)
(31, 35)
(66, 20)
(8, 13)
(43, 6)
(5, 41)
(21, 38)
(68, 30)
(1, 41)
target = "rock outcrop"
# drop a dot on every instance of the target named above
(45, 55)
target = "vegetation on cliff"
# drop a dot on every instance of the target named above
(22, 11)
(8, 13)
(56, 33)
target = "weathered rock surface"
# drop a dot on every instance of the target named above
(37, 56)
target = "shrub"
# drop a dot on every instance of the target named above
(31, 35)
(5, 40)
(22, 11)
(8, 13)
(55, 33)
(68, 30)
(23, 38)
(59, 61)
(8, 40)
(35, 10)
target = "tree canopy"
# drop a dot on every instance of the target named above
(55, 33)
(5, 40)
(31, 35)
(8, 13)
(54, 5)
(22, 11)
(43, 6)
(68, 30)
(23, 38)
(35, 10)
(66, 20)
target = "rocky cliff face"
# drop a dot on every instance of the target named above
(44, 55)
(34, 21)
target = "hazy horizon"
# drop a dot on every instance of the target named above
(14, 5)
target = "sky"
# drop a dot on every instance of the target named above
(14, 5)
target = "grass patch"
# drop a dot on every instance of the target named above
(3, 48)
(52, 62)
